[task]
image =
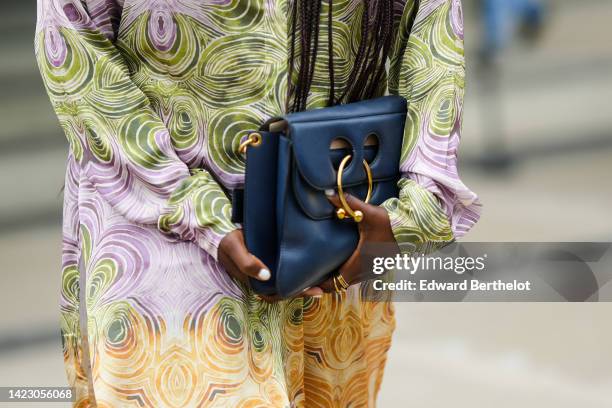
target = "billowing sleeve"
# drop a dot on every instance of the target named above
(427, 67)
(122, 146)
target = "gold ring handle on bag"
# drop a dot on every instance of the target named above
(342, 212)
(254, 139)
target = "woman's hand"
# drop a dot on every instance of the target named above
(242, 265)
(238, 261)
(375, 228)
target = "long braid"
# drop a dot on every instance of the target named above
(315, 13)
(361, 51)
(361, 84)
(369, 65)
(309, 25)
(304, 55)
(378, 68)
(330, 52)
(291, 91)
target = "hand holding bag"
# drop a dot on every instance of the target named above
(288, 222)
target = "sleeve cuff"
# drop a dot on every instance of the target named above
(199, 211)
(418, 221)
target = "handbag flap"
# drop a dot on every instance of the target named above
(312, 132)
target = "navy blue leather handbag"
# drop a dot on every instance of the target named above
(287, 220)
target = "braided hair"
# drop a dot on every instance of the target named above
(369, 66)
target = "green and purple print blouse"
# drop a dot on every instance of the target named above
(154, 97)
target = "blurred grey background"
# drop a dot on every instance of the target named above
(537, 147)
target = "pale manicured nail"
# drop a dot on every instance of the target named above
(264, 275)
(330, 192)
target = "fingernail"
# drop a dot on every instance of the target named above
(307, 289)
(264, 275)
(330, 192)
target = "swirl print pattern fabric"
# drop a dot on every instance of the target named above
(154, 97)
